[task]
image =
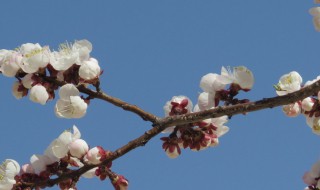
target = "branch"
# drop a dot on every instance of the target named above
(161, 124)
(115, 101)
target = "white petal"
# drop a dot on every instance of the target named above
(68, 90)
(90, 174)
(89, 69)
(39, 94)
(76, 133)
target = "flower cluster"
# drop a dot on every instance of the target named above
(201, 135)
(309, 107)
(33, 66)
(64, 153)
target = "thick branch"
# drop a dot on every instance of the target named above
(161, 124)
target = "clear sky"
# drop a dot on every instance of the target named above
(152, 50)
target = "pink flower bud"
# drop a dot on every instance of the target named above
(120, 183)
(95, 155)
(291, 110)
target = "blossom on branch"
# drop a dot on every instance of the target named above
(8, 170)
(70, 104)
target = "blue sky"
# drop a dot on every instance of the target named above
(152, 50)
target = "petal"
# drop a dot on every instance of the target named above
(68, 90)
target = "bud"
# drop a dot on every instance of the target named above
(78, 148)
(120, 183)
(95, 155)
(89, 69)
(39, 94)
(291, 110)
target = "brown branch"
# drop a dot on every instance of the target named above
(115, 101)
(161, 124)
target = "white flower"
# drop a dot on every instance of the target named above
(27, 81)
(78, 148)
(292, 110)
(240, 75)
(39, 162)
(90, 173)
(288, 83)
(315, 170)
(172, 152)
(34, 57)
(314, 124)
(219, 124)
(27, 168)
(39, 94)
(316, 23)
(63, 59)
(307, 104)
(213, 82)
(70, 105)
(89, 69)
(243, 77)
(205, 101)
(84, 47)
(60, 146)
(9, 62)
(16, 90)
(70, 54)
(8, 170)
(95, 155)
(315, 11)
(176, 106)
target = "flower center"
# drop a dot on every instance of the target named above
(34, 52)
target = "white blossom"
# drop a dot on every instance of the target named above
(94, 155)
(184, 101)
(314, 124)
(307, 104)
(90, 173)
(213, 82)
(9, 62)
(60, 146)
(15, 90)
(288, 83)
(315, 11)
(78, 148)
(240, 75)
(70, 54)
(292, 110)
(89, 69)
(70, 104)
(34, 57)
(39, 94)
(176, 106)
(39, 162)
(8, 170)
(172, 152)
(205, 101)
(27, 81)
